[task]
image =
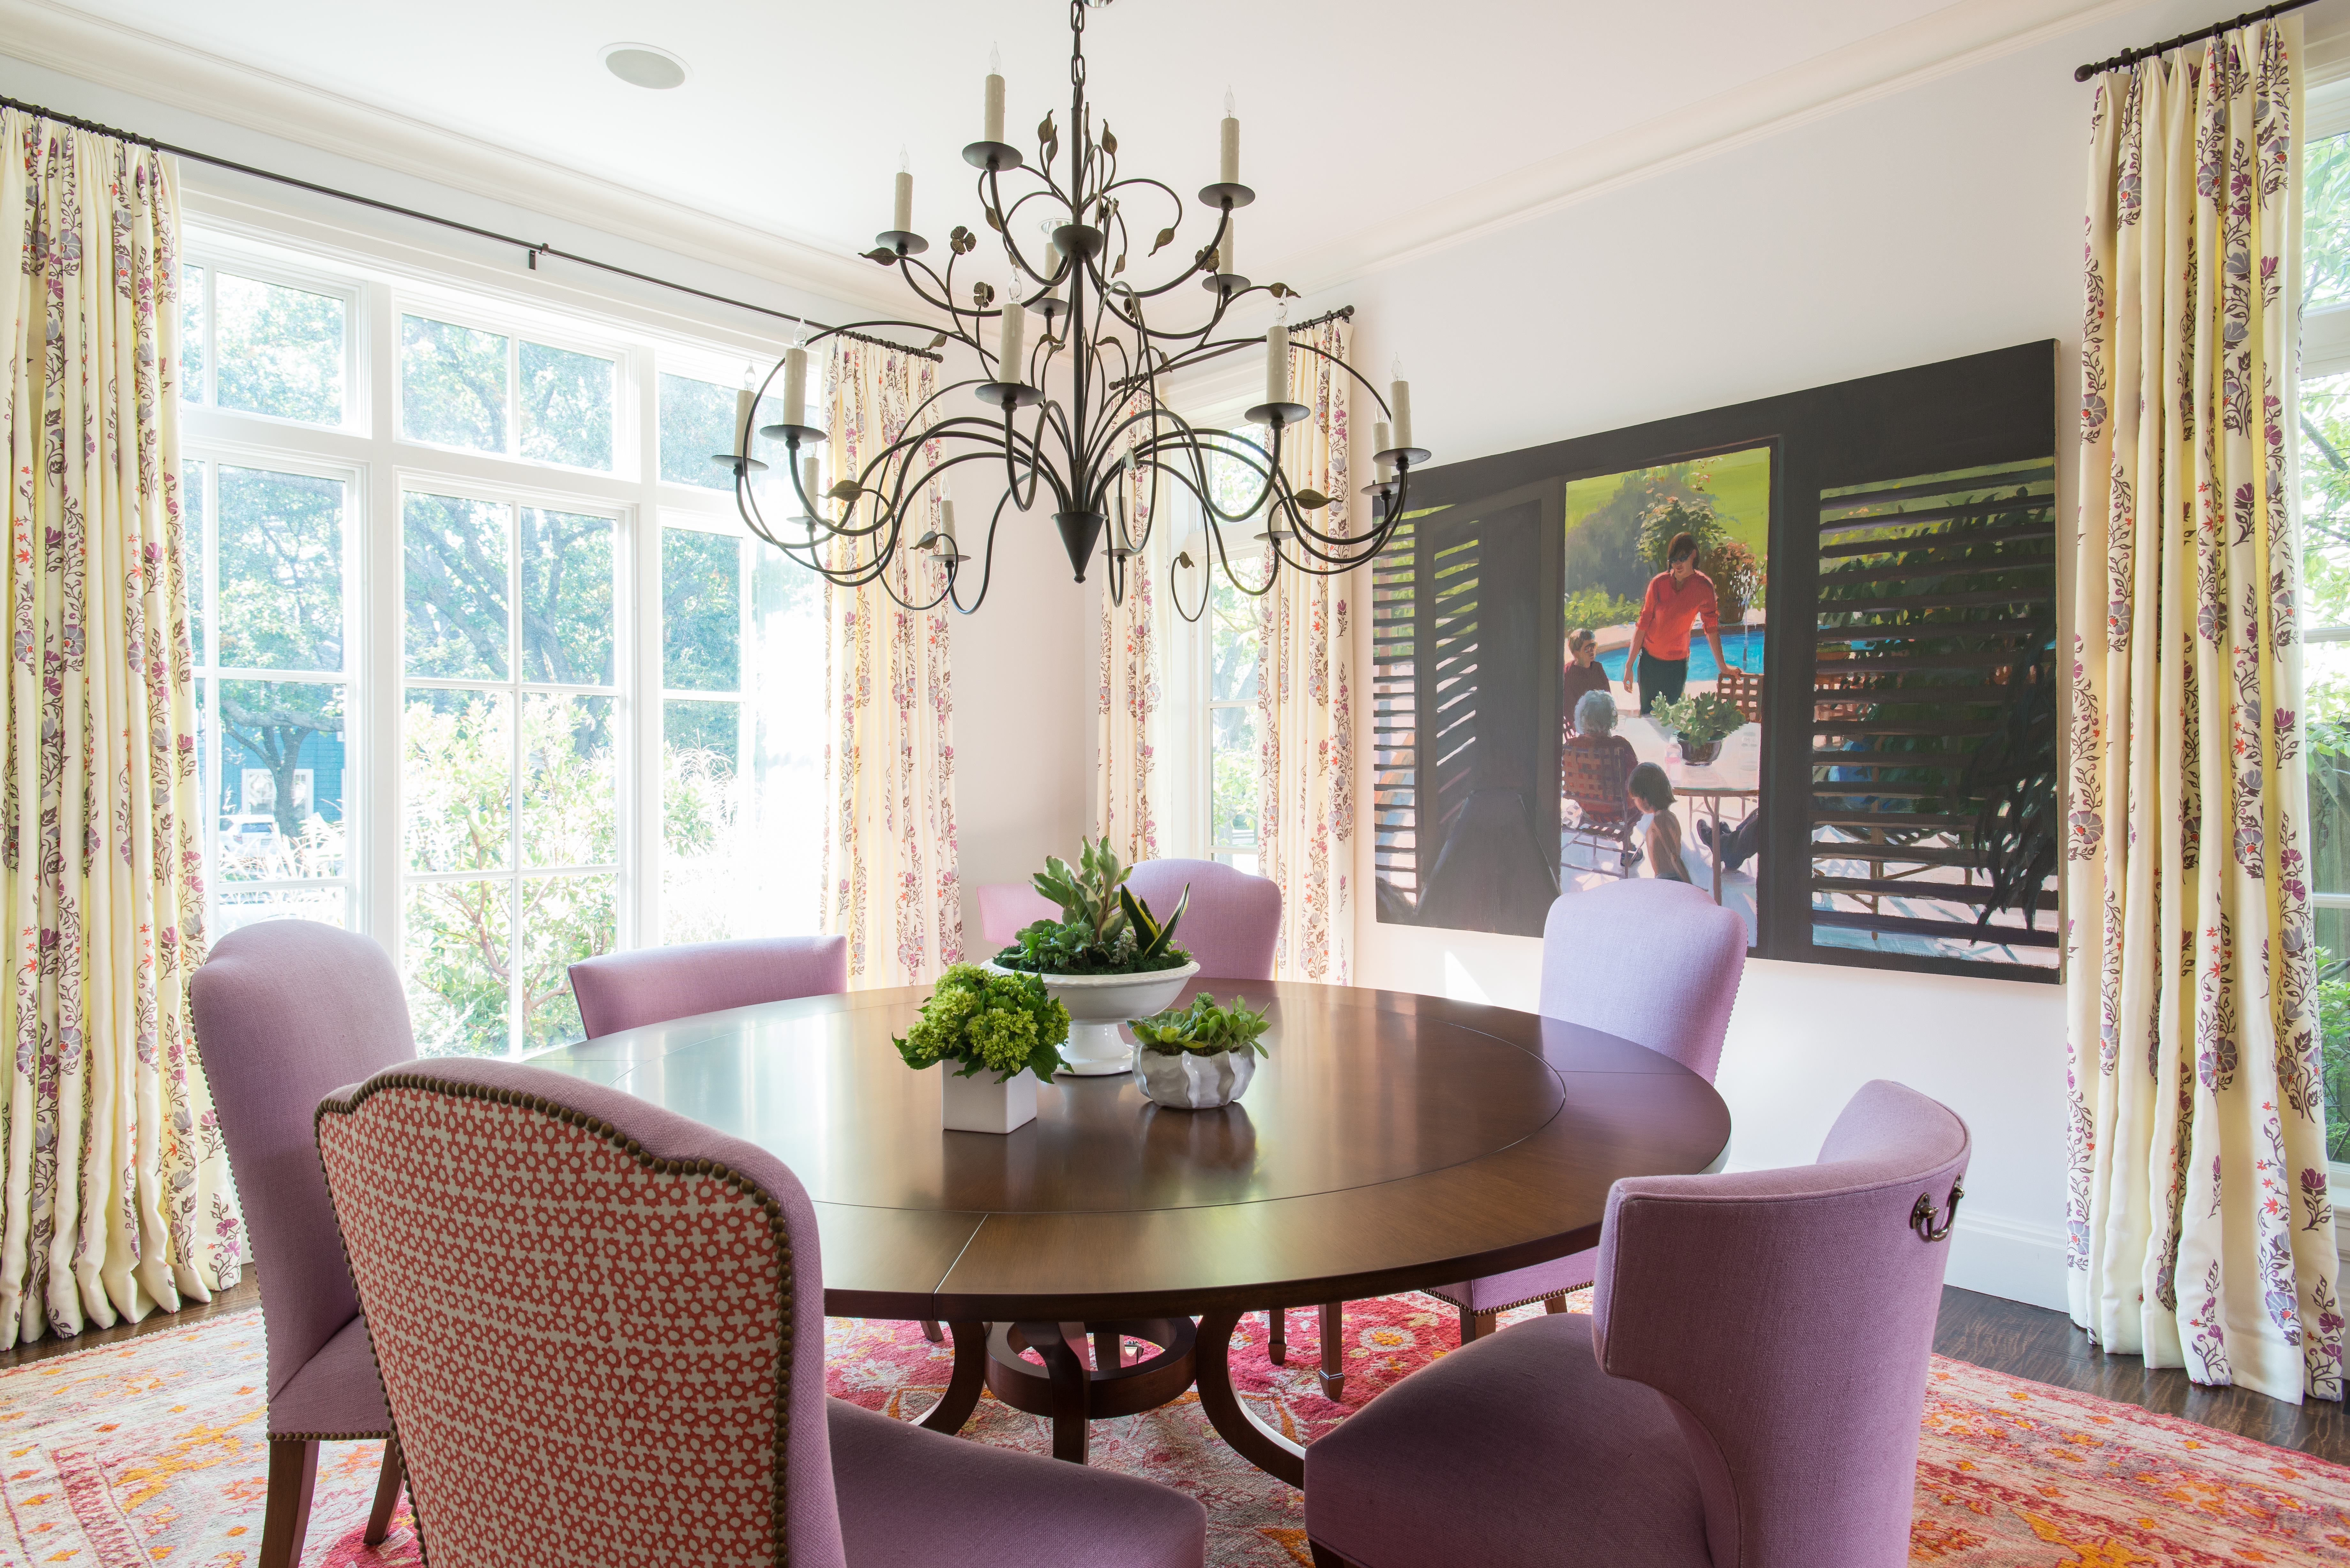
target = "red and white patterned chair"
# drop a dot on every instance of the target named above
(600, 1328)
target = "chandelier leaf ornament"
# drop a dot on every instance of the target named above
(1073, 413)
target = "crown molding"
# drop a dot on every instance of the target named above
(1938, 44)
(1955, 37)
(77, 44)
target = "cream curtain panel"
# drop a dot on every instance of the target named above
(891, 883)
(1305, 716)
(2201, 1231)
(1131, 718)
(117, 1199)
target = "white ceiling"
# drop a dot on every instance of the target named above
(793, 114)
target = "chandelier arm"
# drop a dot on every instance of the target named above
(1011, 246)
(1216, 538)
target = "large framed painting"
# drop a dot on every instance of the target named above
(1800, 652)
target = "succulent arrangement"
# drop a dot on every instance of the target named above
(1001, 1022)
(1203, 1029)
(1700, 719)
(1103, 929)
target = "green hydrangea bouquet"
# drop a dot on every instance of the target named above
(1003, 1022)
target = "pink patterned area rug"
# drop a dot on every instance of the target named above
(155, 1453)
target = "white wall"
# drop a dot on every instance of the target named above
(1025, 685)
(1940, 221)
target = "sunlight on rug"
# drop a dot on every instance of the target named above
(156, 1452)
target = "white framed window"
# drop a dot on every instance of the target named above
(479, 386)
(2324, 469)
(269, 341)
(433, 635)
(1212, 695)
(272, 568)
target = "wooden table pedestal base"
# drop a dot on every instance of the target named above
(1073, 1394)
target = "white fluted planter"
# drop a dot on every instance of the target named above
(1186, 1081)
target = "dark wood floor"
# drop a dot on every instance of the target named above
(2033, 1342)
(244, 1297)
(2006, 1336)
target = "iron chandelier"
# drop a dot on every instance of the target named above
(1102, 427)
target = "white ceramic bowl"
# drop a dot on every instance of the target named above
(1099, 1004)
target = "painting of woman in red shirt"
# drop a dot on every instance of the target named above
(1679, 597)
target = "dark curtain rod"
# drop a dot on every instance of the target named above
(2131, 56)
(531, 250)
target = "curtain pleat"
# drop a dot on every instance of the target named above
(116, 1199)
(2201, 1231)
(1129, 717)
(1306, 717)
(890, 876)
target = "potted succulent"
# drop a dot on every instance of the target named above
(1197, 1057)
(1702, 721)
(1106, 959)
(1004, 1024)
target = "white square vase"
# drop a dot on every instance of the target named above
(979, 1103)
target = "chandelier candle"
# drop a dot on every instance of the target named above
(796, 386)
(744, 401)
(1380, 448)
(1400, 401)
(1069, 416)
(1009, 344)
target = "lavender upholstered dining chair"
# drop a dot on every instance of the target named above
(635, 1297)
(1655, 962)
(1746, 1392)
(285, 1011)
(1233, 922)
(1005, 907)
(652, 985)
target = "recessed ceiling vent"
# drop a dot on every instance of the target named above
(643, 65)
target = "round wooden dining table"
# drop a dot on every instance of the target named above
(1390, 1141)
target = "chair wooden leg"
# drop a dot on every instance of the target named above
(1333, 1350)
(1325, 1558)
(285, 1517)
(387, 1494)
(932, 1332)
(1475, 1325)
(1554, 1304)
(1276, 1342)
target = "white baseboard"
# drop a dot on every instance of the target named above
(2011, 1258)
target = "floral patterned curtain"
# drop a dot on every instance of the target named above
(1134, 634)
(1305, 716)
(890, 862)
(2201, 1231)
(115, 1198)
